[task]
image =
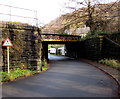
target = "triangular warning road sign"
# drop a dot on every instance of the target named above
(7, 43)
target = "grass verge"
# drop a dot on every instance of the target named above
(111, 62)
(14, 74)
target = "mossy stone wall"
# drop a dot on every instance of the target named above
(26, 50)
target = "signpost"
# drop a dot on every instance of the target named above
(7, 43)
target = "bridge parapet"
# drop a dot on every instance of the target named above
(58, 37)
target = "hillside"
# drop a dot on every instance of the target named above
(105, 17)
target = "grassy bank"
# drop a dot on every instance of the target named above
(111, 62)
(14, 74)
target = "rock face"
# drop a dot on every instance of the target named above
(26, 50)
(105, 18)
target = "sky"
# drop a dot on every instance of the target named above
(47, 10)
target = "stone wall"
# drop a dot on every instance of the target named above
(111, 49)
(94, 49)
(26, 50)
(89, 49)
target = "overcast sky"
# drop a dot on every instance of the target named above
(47, 9)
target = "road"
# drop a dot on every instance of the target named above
(65, 78)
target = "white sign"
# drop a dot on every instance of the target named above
(7, 43)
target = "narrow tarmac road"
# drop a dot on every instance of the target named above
(66, 78)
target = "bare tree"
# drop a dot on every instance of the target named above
(90, 5)
(90, 12)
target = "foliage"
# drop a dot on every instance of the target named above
(14, 22)
(62, 33)
(115, 36)
(49, 46)
(111, 62)
(44, 68)
(18, 73)
(44, 63)
(4, 76)
(89, 37)
(101, 32)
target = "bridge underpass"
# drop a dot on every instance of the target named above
(70, 41)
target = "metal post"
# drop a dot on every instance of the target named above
(8, 59)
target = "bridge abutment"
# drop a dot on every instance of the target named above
(26, 50)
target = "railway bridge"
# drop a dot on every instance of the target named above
(68, 40)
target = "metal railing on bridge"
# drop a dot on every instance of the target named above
(59, 37)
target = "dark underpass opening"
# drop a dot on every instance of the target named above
(62, 45)
(69, 49)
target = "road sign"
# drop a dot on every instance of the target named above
(7, 43)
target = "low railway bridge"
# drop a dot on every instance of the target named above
(68, 40)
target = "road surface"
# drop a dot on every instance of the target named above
(65, 78)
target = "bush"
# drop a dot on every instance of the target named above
(3, 76)
(111, 62)
(62, 33)
(44, 68)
